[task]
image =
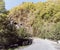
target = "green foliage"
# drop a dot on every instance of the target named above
(2, 6)
(41, 17)
(23, 33)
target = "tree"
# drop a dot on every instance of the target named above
(55, 1)
(39, 17)
(2, 6)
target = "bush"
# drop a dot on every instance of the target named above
(23, 33)
(9, 35)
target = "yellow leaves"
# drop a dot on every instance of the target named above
(41, 16)
(2, 6)
(39, 5)
(57, 17)
(58, 14)
(42, 11)
(1, 3)
(54, 1)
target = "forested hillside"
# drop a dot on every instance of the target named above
(40, 19)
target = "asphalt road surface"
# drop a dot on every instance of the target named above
(41, 44)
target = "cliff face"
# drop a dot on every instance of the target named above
(2, 6)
